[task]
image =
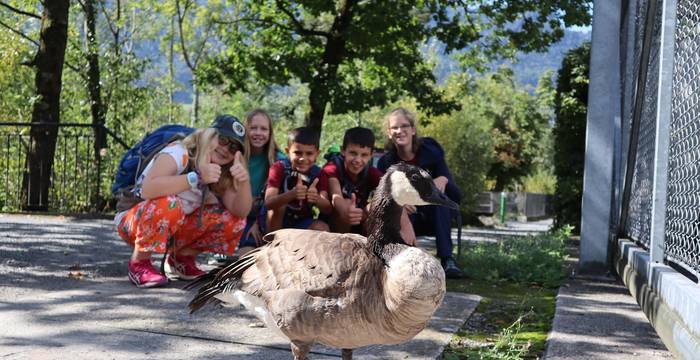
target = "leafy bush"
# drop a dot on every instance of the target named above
(535, 259)
(570, 134)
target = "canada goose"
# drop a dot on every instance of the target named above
(341, 290)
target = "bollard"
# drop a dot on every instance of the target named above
(502, 209)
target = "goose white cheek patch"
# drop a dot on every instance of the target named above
(403, 192)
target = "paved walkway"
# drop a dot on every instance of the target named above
(64, 294)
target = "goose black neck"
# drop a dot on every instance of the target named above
(384, 224)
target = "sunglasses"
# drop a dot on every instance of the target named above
(233, 145)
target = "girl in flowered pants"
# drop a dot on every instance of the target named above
(197, 192)
(150, 224)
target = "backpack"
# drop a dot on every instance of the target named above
(137, 158)
(361, 190)
(290, 180)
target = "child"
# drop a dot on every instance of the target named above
(348, 181)
(403, 144)
(292, 185)
(263, 152)
(201, 209)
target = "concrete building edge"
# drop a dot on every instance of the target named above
(633, 269)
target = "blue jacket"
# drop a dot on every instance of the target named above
(431, 157)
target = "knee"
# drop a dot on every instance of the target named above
(319, 225)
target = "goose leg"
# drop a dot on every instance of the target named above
(347, 354)
(300, 350)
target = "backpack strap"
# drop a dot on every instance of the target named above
(347, 186)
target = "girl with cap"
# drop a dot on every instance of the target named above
(197, 195)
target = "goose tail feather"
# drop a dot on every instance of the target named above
(224, 278)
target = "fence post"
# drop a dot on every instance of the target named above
(663, 120)
(603, 107)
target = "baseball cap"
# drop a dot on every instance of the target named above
(231, 127)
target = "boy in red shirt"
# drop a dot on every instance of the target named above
(348, 181)
(292, 185)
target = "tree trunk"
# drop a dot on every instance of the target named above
(97, 109)
(171, 72)
(333, 55)
(49, 69)
(195, 99)
(94, 87)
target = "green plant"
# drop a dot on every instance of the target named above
(507, 345)
(535, 259)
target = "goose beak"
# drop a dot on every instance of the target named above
(439, 198)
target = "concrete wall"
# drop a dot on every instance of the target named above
(603, 114)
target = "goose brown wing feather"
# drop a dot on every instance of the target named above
(321, 264)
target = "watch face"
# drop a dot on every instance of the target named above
(192, 179)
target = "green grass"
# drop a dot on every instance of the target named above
(517, 280)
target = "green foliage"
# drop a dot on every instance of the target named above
(535, 259)
(507, 346)
(510, 317)
(542, 181)
(569, 135)
(464, 135)
(358, 55)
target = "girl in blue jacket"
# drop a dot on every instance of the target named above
(404, 145)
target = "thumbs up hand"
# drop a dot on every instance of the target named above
(239, 173)
(354, 213)
(312, 192)
(209, 172)
(300, 189)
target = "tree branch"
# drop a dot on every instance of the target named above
(252, 20)
(180, 19)
(110, 23)
(21, 34)
(18, 11)
(298, 25)
(31, 63)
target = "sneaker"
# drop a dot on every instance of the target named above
(452, 270)
(144, 275)
(182, 267)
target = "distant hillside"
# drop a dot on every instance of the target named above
(527, 67)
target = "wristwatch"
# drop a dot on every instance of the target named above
(193, 180)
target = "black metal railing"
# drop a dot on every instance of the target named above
(80, 176)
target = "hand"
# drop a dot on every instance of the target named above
(312, 193)
(209, 173)
(255, 232)
(300, 189)
(354, 213)
(410, 209)
(238, 171)
(440, 183)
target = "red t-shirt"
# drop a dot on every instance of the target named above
(330, 170)
(298, 209)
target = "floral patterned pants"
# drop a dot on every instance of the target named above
(150, 224)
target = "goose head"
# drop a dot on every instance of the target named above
(401, 185)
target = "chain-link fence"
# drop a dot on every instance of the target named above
(661, 125)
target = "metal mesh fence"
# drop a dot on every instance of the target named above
(682, 243)
(639, 220)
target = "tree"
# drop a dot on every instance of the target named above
(94, 83)
(517, 127)
(354, 55)
(569, 132)
(46, 110)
